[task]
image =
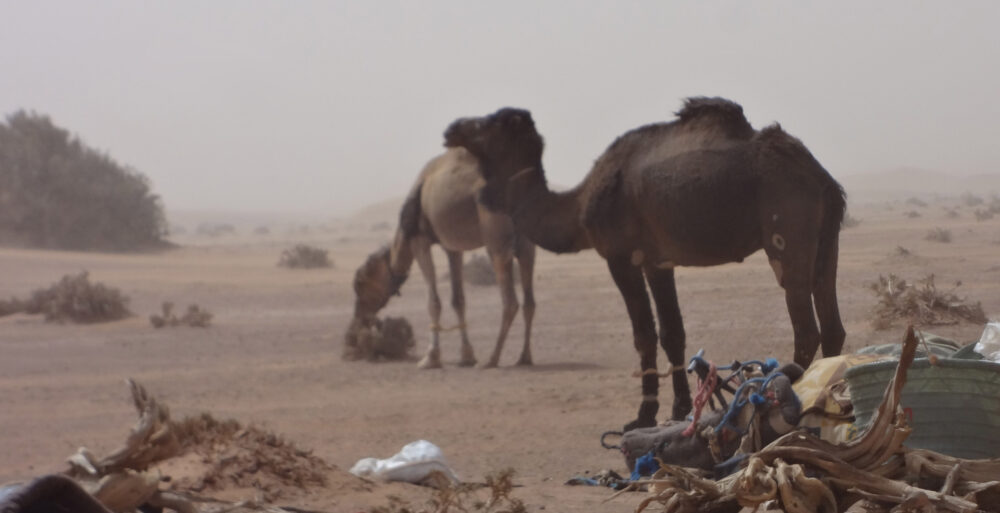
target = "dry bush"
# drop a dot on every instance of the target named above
(983, 214)
(56, 192)
(390, 338)
(478, 270)
(912, 214)
(920, 303)
(850, 221)
(971, 200)
(304, 256)
(939, 235)
(917, 202)
(214, 230)
(73, 298)
(247, 457)
(261, 230)
(951, 213)
(195, 316)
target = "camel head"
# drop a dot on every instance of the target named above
(374, 283)
(505, 143)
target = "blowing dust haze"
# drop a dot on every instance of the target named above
(323, 108)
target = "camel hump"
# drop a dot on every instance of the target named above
(719, 110)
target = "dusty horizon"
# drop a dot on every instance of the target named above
(328, 108)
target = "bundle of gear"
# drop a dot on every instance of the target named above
(762, 406)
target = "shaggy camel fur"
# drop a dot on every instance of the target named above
(443, 208)
(705, 189)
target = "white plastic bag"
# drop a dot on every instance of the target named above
(989, 343)
(412, 464)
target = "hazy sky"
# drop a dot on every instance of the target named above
(327, 106)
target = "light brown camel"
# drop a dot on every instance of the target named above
(705, 189)
(443, 208)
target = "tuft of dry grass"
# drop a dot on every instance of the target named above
(913, 214)
(464, 497)
(195, 316)
(72, 299)
(850, 221)
(939, 235)
(304, 256)
(920, 303)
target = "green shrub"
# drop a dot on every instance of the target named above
(56, 192)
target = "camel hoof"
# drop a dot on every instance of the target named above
(429, 363)
(524, 362)
(467, 362)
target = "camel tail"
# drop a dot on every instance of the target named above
(834, 207)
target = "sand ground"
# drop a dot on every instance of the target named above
(272, 355)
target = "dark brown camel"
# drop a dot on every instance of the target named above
(443, 208)
(705, 189)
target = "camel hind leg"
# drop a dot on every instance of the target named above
(422, 253)
(832, 332)
(468, 357)
(526, 261)
(503, 263)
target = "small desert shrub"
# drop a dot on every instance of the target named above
(971, 200)
(75, 299)
(917, 202)
(195, 316)
(951, 213)
(983, 214)
(939, 235)
(303, 256)
(214, 230)
(850, 221)
(478, 270)
(912, 214)
(921, 303)
(261, 230)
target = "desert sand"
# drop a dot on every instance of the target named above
(272, 355)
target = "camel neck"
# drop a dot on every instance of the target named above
(549, 219)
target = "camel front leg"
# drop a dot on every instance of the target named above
(468, 357)
(422, 253)
(503, 267)
(672, 336)
(630, 283)
(526, 261)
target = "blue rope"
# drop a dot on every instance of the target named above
(757, 398)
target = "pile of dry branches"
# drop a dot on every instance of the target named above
(73, 298)
(921, 303)
(801, 473)
(237, 455)
(390, 338)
